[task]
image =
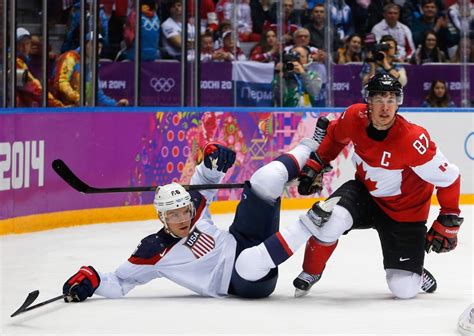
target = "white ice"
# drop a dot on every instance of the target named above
(352, 297)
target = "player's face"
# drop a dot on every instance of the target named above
(179, 221)
(383, 107)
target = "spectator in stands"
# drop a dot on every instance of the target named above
(430, 20)
(150, 32)
(65, 83)
(290, 20)
(383, 61)
(222, 28)
(301, 38)
(230, 52)
(260, 11)
(294, 82)
(374, 14)
(352, 51)
(317, 29)
(341, 18)
(411, 10)
(401, 33)
(171, 29)
(438, 95)
(207, 49)
(209, 20)
(30, 93)
(225, 11)
(466, 46)
(35, 63)
(456, 14)
(359, 10)
(71, 40)
(428, 51)
(268, 49)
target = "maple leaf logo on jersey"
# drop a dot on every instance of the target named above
(200, 243)
(362, 174)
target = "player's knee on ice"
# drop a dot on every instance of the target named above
(403, 284)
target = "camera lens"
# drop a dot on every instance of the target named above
(289, 66)
(379, 56)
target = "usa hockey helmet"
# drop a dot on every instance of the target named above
(170, 197)
(383, 82)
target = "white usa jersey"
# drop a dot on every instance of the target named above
(202, 262)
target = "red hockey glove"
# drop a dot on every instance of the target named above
(218, 156)
(81, 285)
(443, 235)
(311, 176)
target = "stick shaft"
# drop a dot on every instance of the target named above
(76, 183)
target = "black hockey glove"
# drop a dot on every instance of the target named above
(81, 285)
(218, 156)
(443, 235)
(311, 176)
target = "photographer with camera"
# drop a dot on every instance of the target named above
(294, 84)
(380, 59)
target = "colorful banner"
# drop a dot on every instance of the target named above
(129, 148)
(161, 82)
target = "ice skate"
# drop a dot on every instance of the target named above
(429, 282)
(319, 214)
(303, 283)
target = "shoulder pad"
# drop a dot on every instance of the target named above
(152, 248)
(199, 202)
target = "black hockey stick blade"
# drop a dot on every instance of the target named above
(76, 183)
(28, 301)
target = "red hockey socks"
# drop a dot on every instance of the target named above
(316, 256)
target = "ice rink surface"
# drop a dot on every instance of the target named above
(351, 298)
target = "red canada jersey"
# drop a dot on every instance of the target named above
(401, 171)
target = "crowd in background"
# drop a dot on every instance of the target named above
(413, 31)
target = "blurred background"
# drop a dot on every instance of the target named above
(237, 52)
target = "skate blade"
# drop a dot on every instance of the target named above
(300, 293)
(328, 205)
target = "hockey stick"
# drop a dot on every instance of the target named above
(67, 175)
(30, 299)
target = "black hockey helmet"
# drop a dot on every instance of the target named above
(383, 82)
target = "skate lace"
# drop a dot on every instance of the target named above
(319, 134)
(309, 277)
(427, 282)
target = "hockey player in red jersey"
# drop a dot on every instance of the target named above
(397, 168)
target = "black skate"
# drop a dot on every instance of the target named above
(429, 282)
(303, 283)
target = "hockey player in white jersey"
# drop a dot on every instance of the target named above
(192, 252)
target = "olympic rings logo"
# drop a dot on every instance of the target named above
(469, 146)
(162, 84)
(149, 25)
